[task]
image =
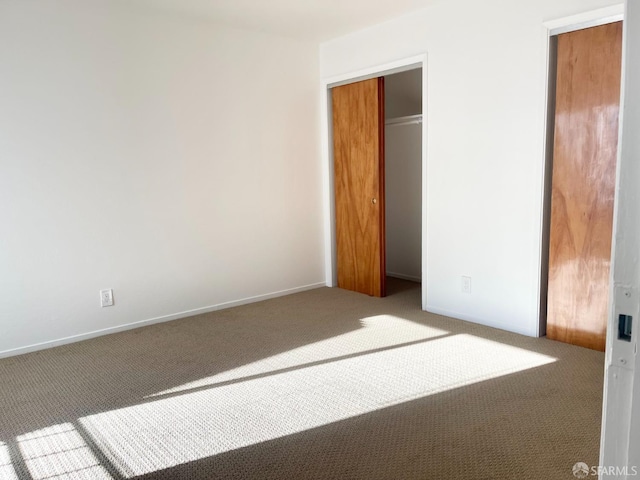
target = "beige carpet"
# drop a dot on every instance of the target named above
(325, 384)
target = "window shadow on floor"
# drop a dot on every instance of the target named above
(555, 404)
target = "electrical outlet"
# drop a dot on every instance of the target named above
(466, 284)
(106, 298)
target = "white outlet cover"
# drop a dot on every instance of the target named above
(466, 284)
(106, 298)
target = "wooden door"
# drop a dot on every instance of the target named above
(358, 152)
(583, 184)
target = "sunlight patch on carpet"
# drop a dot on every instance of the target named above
(171, 431)
(7, 471)
(379, 331)
(60, 453)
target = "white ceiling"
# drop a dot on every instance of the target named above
(305, 19)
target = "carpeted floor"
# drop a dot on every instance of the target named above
(325, 384)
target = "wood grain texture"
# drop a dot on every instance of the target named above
(358, 151)
(583, 184)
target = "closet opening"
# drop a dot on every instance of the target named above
(582, 142)
(377, 159)
(403, 177)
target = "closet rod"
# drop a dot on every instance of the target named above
(408, 120)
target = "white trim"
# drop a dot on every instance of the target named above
(424, 210)
(542, 244)
(589, 24)
(326, 139)
(410, 63)
(165, 318)
(390, 68)
(480, 321)
(402, 276)
(593, 18)
(537, 317)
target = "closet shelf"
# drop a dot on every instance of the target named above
(408, 120)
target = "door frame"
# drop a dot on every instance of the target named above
(550, 29)
(326, 139)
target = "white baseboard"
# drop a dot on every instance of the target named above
(479, 321)
(402, 276)
(165, 318)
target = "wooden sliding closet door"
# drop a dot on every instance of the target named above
(358, 152)
(583, 184)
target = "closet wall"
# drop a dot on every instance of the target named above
(403, 97)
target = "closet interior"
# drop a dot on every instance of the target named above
(403, 174)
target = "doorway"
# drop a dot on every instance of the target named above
(584, 96)
(387, 71)
(376, 148)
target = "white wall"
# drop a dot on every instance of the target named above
(621, 410)
(168, 158)
(485, 154)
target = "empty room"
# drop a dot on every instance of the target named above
(319, 239)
